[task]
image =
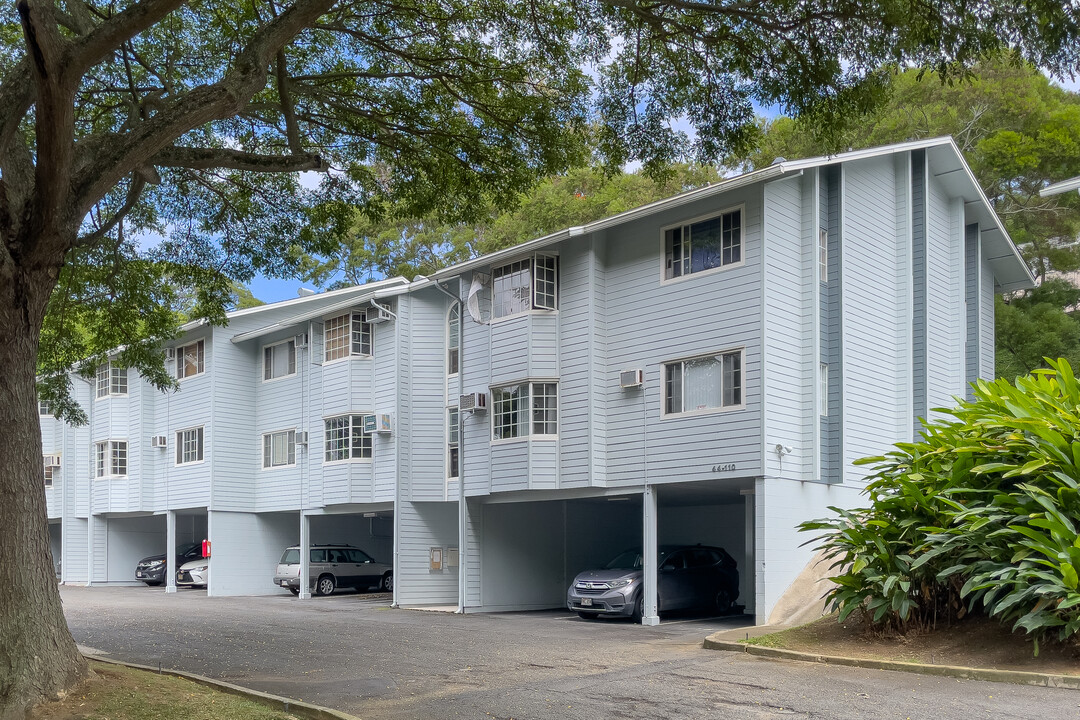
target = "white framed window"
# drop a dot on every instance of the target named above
(823, 255)
(453, 443)
(279, 449)
(345, 439)
(279, 360)
(524, 285)
(823, 379)
(709, 382)
(190, 359)
(49, 476)
(43, 408)
(706, 244)
(189, 446)
(530, 408)
(345, 335)
(111, 380)
(453, 339)
(110, 458)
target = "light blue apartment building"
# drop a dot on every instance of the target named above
(700, 370)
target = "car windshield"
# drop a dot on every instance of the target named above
(290, 557)
(631, 559)
(189, 550)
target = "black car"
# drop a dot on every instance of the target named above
(698, 576)
(151, 570)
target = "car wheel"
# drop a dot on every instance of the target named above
(387, 583)
(588, 615)
(294, 590)
(639, 609)
(325, 585)
(723, 602)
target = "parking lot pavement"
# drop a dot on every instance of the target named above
(353, 652)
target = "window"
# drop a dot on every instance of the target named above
(190, 360)
(703, 383)
(453, 339)
(525, 409)
(823, 379)
(514, 290)
(111, 380)
(453, 443)
(48, 476)
(823, 255)
(189, 446)
(110, 458)
(279, 360)
(279, 449)
(346, 440)
(704, 245)
(43, 408)
(348, 334)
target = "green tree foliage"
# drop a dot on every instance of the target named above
(979, 515)
(369, 249)
(1018, 132)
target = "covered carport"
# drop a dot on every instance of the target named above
(529, 551)
(368, 527)
(118, 541)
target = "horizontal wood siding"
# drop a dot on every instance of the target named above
(428, 399)
(875, 350)
(578, 342)
(245, 406)
(187, 485)
(944, 298)
(422, 526)
(789, 248)
(385, 397)
(986, 319)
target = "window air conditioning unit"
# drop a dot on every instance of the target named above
(378, 315)
(383, 423)
(170, 353)
(476, 402)
(300, 341)
(52, 461)
(631, 378)
(159, 441)
(301, 437)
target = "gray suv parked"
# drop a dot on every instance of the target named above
(331, 567)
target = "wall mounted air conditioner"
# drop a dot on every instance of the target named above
(170, 353)
(631, 378)
(301, 437)
(476, 402)
(159, 441)
(378, 315)
(300, 341)
(384, 423)
(52, 461)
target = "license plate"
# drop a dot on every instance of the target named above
(586, 602)
(284, 583)
(138, 574)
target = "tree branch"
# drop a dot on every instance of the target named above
(138, 182)
(207, 158)
(288, 109)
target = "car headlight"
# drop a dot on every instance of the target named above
(621, 582)
(199, 568)
(155, 563)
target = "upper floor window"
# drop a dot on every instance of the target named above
(44, 408)
(704, 383)
(189, 446)
(453, 339)
(190, 359)
(279, 449)
(111, 380)
(345, 439)
(453, 443)
(525, 409)
(279, 360)
(348, 334)
(823, 255)
(110, 458)
(530, 284)
(49, 476)
(703, 245)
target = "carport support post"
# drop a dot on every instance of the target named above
(170, 551)
(305, 557)
(648, 528)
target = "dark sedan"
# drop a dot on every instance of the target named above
(689, 577)
(151, 570)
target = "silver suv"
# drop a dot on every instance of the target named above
(331, 567)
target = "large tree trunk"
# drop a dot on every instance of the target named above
(38, 657)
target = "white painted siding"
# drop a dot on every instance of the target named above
(944, 298)
(986, 320)
(425, 525)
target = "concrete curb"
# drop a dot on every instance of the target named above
(1019, 677)
(274, 702)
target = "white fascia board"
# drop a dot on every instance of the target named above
(1060, 187)
(364, 295)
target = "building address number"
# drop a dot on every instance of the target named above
(723, 468)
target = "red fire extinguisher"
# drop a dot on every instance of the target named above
(206, 548)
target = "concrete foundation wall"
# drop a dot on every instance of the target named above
(129, 540)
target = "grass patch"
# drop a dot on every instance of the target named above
(114, 692)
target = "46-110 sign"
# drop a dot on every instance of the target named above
(723, 468)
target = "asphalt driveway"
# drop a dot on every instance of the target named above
(354, 653)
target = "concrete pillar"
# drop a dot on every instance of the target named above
(649, 537)
(305, 557)
(89, 549)
(170, 551)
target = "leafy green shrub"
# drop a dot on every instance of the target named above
(980, 515)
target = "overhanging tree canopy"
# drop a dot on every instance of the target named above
(191, 119)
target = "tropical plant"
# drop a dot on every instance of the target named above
(980, 515)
